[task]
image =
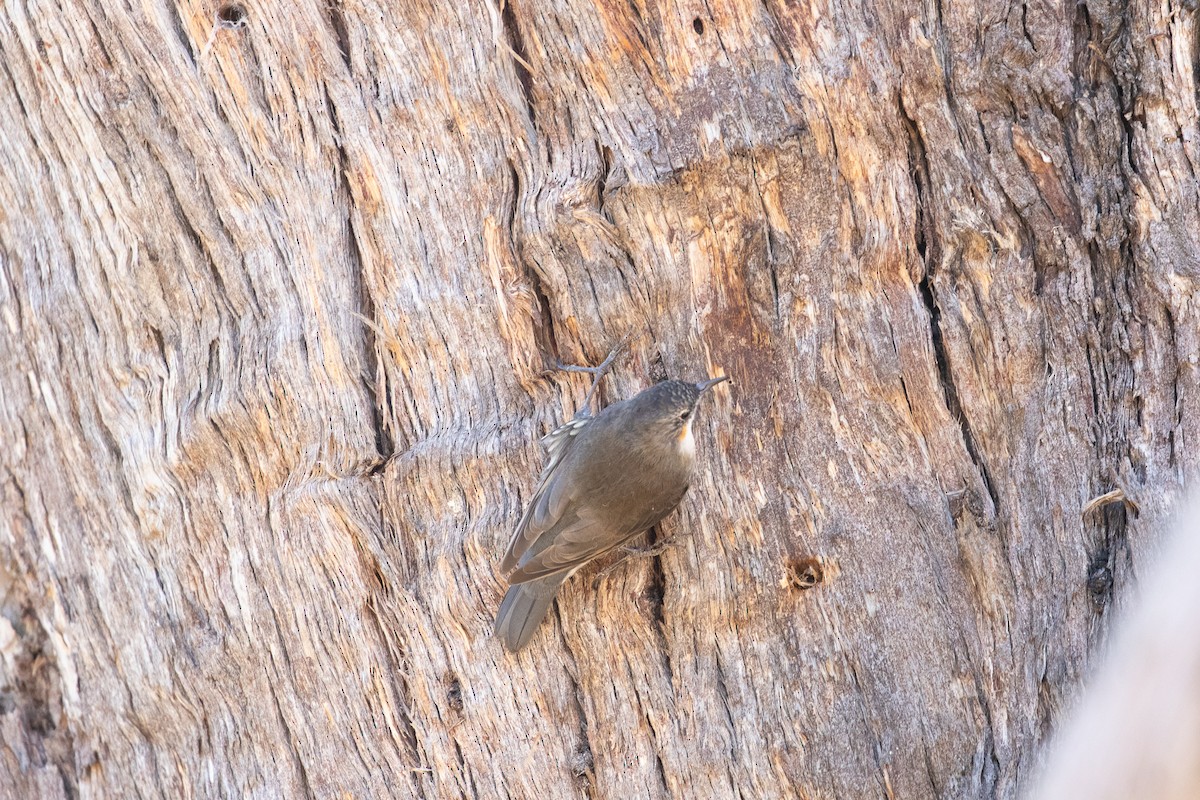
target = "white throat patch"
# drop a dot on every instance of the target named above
(687, 444)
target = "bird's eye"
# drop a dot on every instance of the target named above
(685, 414)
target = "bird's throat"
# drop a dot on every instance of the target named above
(687, 444)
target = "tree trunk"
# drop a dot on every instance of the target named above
(281, 285)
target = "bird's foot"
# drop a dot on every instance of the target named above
(656, 549)
(597, 372)
(629, 551)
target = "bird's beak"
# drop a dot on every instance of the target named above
(708, 384)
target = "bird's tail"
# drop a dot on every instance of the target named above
(523, 608)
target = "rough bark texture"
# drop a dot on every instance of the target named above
(278, 298)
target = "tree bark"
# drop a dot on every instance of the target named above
(282, 285)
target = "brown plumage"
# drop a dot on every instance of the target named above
(607, 479)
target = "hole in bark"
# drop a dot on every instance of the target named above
(801, 574)
(232, 15)
(698, 26)
(454, 695)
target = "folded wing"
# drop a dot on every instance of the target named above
(550, 499)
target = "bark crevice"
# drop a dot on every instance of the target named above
(989, 770)
(544, 334)
(1103, 65)
(950, 390)
(373, 373)
(180, 29)
(656, 592)
(723, 695)
(293, 753)
(930, 769)
(337, 21)
(35, 691)
(516, 45)
(398, 673)
(929, 250)
(584, 759)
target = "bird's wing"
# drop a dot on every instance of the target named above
(576, 538)
(550, 499)
(557, 442)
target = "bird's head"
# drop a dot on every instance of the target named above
(668, 409)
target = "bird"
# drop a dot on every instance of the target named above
(607, 479)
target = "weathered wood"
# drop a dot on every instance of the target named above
(280, 294)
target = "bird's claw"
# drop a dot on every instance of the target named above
(599, 371)
(656, 549)
(629, 551)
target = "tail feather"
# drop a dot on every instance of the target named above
(523, 609)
